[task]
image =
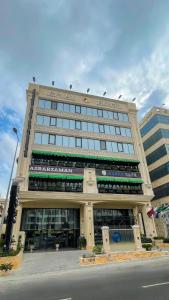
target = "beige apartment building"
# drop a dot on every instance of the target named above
(81, 166)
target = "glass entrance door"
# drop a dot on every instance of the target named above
(46, 227)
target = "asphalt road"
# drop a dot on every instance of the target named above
(128, 281)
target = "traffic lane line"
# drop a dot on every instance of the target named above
(155, 284)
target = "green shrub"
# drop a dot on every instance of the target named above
(88, 255)
(158, 238)
(2, 243)
(6, 267)
(82, 242)
(148, 247)
(166, 240)
(98, 249)
(144, 240)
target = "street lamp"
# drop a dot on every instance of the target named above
(4, 213)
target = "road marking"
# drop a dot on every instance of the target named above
(156, 284)
(66, 299)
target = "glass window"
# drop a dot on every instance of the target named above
(83, 110)
(110, 114)
(117, 130)
(65, 141)
(131, 148)
(54, 105)
(91, 144)
(102, 145)
(97, 145)
(90, 127)
(59, 140)
(51, 139)
(48, 104)
(38, 137)
(114, 147)
(72, 124)
(71, 142)
(85, 143)
(109, 146)
(120, 116)
(128, 132)
(105, 114)
(46, 121)
(107, 129)
(41, 103)
(78, 142)
(101, 128)
(89, 111)
(96, 127)
(125, 148)
(66, 107)
(100, 113)
(94, 112)
(72, 108)
(120, 147)
(65, 123)
(125, 118)
(123, 131)
(78, 125)
(115, 115)
(45, 138)
(84, 126)
(77, 109)
(112, 130)
(53, 121)
(60, 106)
(39, 120)
(59, 123)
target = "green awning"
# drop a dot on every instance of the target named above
(84, 156)
(56, 176)
(119, 179)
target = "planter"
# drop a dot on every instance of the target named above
(31, 248)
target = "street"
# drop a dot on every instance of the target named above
(131, 280)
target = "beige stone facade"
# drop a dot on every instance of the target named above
(89, 198)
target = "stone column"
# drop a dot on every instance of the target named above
(89, 225)
(148, 223)
(135, 214)
(137, 237)
(82, 225)
(105, 237)
(16, 226)
(89, 182)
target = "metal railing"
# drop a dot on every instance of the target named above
(121, 235)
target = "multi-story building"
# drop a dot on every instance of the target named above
(154, 130)
(81, 166)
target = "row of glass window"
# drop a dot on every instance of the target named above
(84, 163)
(159, 172)
(153, 122)
(72, 142)
(159, 134)
(84, 126)
(55, 185)
(161, 191)
(119, 188)
(71, 108)
(157, 154)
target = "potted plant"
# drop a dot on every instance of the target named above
(82, 242)
(5, 268)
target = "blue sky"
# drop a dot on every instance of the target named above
(121, 46)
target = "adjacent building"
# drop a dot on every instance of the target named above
(81, 166)
(154, 130)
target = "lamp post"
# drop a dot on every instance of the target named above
(4, 213)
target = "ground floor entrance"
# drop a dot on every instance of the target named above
(118, 220)
(45, 227)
